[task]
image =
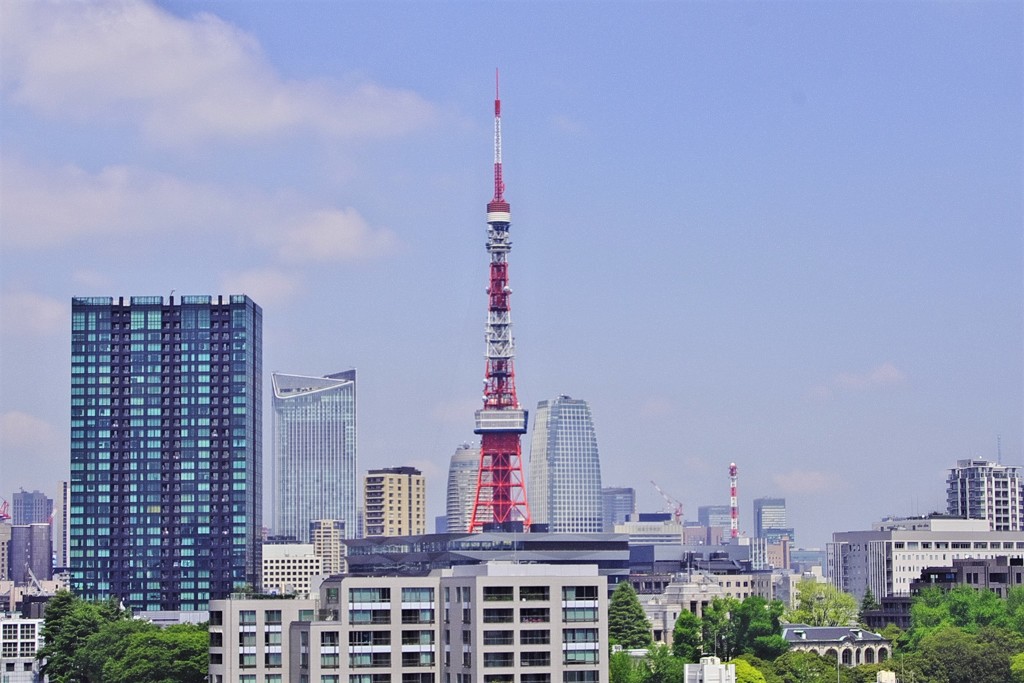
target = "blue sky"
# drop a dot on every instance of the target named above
(783, 234)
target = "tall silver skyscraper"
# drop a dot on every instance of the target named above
(565, 470)
(462, 475)
(316, 475)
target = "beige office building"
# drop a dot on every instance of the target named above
(395, 502)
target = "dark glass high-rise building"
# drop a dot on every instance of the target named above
(166, 457)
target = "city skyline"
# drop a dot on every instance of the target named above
(786, 236)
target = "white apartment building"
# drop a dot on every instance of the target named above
(328, 537)
(249, 638)
(20, 639)
(894, 552)
(288, 568)
(979, 489)
(490, 623)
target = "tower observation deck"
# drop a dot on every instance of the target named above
(500, 500)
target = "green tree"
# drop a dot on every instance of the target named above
(747, 673)
(950, 654)
(868, 603)
(758, 627)
(806, 667)
(622, 668)
(686, 637)
(627, 623)
(718, 631)
(176, 654)
(664, 666)
(822, 604)
(1017, 668)
(68, 622)
(109, 644)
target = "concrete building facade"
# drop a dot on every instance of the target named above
(892, 555)
(979, 489)
(20, 639)
(289, 568)
(394, 502)
(490, 623)
(328, 537)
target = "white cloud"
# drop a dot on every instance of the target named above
(268, 287)
(48, 207)
(805, 482)
(180, 79)
(59, 207)
(567, 124)
(885, 375)
(31, 313)
(333, 235)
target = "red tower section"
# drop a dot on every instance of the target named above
(500, 500)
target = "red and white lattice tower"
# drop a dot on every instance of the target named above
(734, 508)
(500, 500)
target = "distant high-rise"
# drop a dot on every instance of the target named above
(327, 536)
(979, 489)
(462, 476)
(30, 554)
(565, 470)
(714, 516)
(394, 502)
(617, 505)
(770, 519)
(314, 452)
(166, 449)
(62, 524)
(31, 507)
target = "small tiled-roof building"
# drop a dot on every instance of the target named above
(851, 644)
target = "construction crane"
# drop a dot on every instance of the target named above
(674, 505)
(5, 511)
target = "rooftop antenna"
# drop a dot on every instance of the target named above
(999, 448)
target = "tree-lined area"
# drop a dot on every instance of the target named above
(964, 635)
(87, 642)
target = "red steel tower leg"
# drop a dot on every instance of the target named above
(500, 491)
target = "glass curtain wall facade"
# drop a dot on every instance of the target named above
(462, 475)
(315, 452)
(565, 469)
(166, 456)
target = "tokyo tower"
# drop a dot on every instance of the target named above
(500, 500)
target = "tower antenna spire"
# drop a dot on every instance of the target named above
(500, 501)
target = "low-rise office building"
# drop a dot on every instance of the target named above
(893, 554)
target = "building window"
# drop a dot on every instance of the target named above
(498, 616)
(498, 638)
(535, 637)
(535, 659)
(496, 659)
(532, 593)
(497, 593)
